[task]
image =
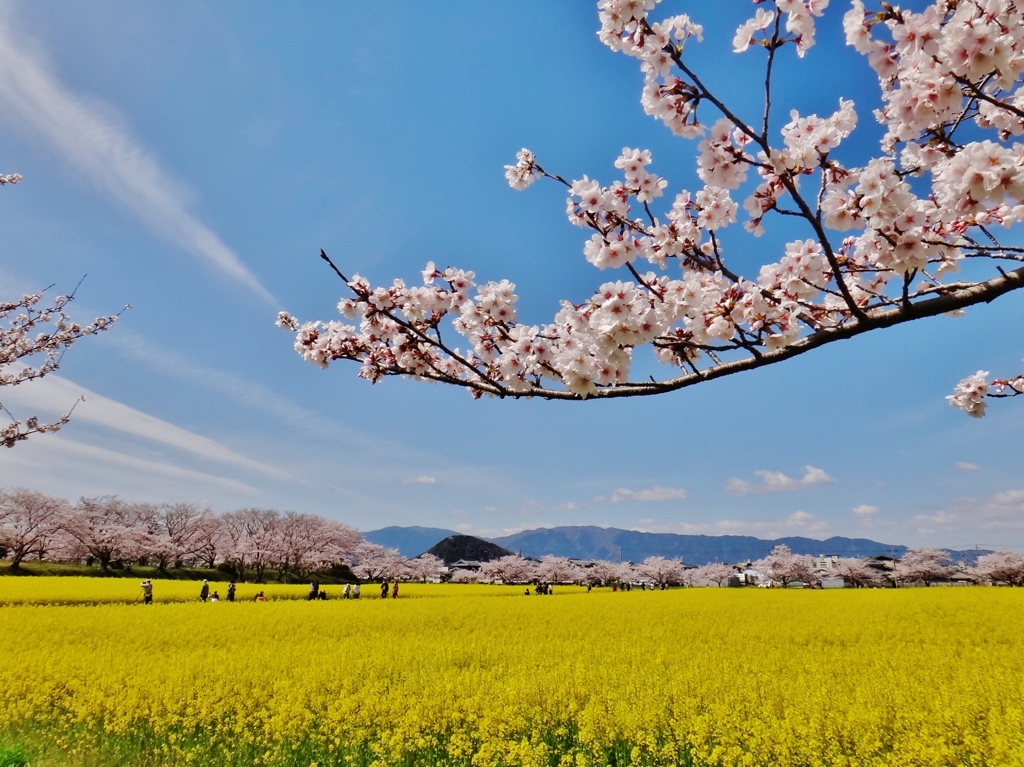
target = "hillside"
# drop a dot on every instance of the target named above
(588, 542)
(610, 543)
(456, 547)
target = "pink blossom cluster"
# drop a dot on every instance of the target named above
(1000, 567)
(969, 395)
(33, 338)
(880, 239)
(939, 59)
(800, 17)
(524, 172)
(588, 345)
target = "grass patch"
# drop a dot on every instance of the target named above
(13, 756)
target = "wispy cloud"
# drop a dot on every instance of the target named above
(422, 479)
(797, 523)
(997, 512)
(55, 394)
(650, 494)
(115, 162)
(500, 532)
(965, 466)
(776, 481)
(866, 511)
(238, 389)
(71, 467)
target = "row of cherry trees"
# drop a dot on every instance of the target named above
(109, 530)
(516, 569)
(923, 566)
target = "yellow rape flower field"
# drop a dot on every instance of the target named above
(84, 590)
(479, 675)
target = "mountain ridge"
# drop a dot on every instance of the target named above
(610, 543)
(613, 543)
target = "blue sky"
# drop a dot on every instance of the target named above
(192, 160)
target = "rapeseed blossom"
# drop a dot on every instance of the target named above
(718, 677)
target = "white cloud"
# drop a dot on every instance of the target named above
(997, 512)
(85, 134)
(650, 494)
(965, 466)
(865, 510)
(55, 394)
(422, 479)
(776, 481)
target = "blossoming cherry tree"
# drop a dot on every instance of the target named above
(907, 235)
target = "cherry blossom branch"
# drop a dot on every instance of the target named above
(773, 46)
(33, 330)
(812, 218)
(975, 294)
(710, 320)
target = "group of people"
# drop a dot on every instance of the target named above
(205, 595)
(541, 588)
(350, 591)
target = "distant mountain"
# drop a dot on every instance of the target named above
(457, 547)
(968, 557)
(610, 543)
(410, 541)
(629, 545)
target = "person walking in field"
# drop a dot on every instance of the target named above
(383, 589)
(231, 591)
(355, 591)
(204, 591)
(314, 590)
(147, 592)
(346, 591)
(394, 590)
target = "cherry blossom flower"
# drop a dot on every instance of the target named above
(745, 33)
